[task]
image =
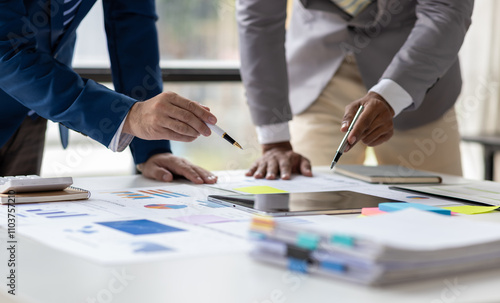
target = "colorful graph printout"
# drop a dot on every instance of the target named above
(165, 206)
(148, 194)
(131, 195)
(140, 227)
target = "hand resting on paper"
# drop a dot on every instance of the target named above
(279, 159)
(165, 166)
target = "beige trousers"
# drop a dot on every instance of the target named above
(316, 132)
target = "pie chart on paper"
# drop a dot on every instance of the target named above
(165, 206)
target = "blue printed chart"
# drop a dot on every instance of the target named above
(54, 213)
(140, 227)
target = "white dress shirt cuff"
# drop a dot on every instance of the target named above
(273, 133)
(394, 94)
(120, 141)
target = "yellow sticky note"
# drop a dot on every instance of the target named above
(260, 190)
(471, 209)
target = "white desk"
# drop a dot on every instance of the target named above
(48, 275)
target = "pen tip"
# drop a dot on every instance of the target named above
(238, 145)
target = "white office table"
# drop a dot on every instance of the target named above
(51, 276)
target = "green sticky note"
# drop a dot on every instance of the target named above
(307, 240)
(260, 190)
(471, 209)
(342, 240)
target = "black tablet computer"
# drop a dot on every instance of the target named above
(295, 204)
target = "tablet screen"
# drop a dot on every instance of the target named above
(331, 202)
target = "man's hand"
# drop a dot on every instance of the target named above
(374, 125)
(168, 116)
(164, 166)
(279, 158)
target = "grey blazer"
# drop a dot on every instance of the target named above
(412, 42)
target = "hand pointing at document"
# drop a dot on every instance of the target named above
(168, 116)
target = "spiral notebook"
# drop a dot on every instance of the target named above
(68, 194)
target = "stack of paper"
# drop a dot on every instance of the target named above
(395, 247)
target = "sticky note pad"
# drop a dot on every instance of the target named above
(471, 209)
(332, 266)
(297, 265)
(371, 211)
(400, 206)
(344, 240)
(308, 240)
(260, 190)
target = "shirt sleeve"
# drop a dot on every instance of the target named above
(120, 141)
(273, 133)
(394, 94)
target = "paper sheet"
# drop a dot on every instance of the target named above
(485, 192)
(298, 183)
(141, 224)
(167, 222)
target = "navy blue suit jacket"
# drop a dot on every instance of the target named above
(36, 73)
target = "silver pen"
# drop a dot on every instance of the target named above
(343, 144)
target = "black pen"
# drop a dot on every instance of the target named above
(343, 144)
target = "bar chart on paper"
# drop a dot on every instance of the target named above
(53, 213)
(165, 206)
(148, 194)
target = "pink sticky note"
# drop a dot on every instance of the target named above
(371, 211)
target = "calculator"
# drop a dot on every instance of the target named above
(32, 183)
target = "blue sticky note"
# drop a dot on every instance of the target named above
(332, 266)
(395, 206)
(297, 265)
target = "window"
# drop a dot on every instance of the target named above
(192, 34)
